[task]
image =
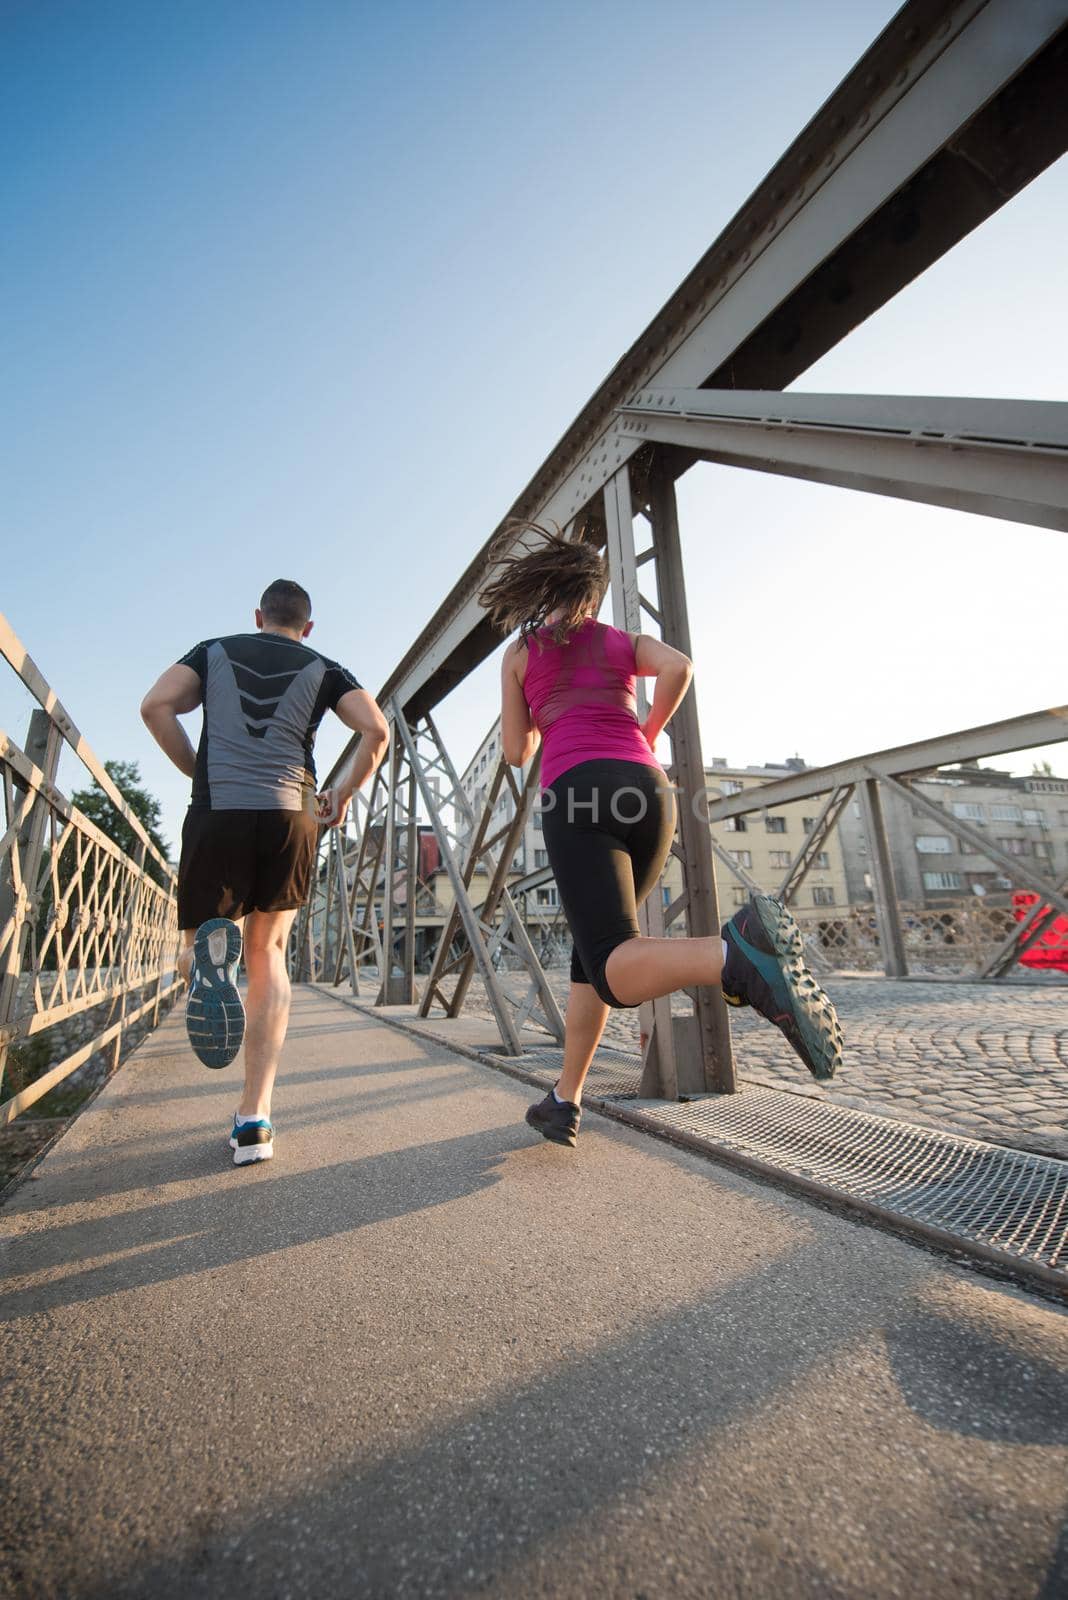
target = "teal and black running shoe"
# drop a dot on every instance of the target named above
(765, 969)
(214, 1014)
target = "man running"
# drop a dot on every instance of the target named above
(249, 839)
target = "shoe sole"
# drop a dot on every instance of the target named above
(245, 1155)
(547, 1131)
(214, 1013)
(812, 1007)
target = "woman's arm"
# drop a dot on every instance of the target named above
(519, 737)
(672, 671)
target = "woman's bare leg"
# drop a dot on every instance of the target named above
(643, 969)
(586, 1017)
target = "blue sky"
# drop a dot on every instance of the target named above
(310, 290)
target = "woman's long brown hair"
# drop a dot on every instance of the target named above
(555, 576)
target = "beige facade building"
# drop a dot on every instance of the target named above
(766, 843)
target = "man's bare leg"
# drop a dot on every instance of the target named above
(185, 954)
(266, 1006)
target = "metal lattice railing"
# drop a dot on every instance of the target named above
(956, 937)
(87, 929)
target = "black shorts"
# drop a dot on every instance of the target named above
(234, 862)
(608, 827)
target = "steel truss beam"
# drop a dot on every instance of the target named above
(493, 853)
(971, 744)
(485, 940)
(954, 109)
(822, 829)
(337, 932)
(673, 1063)
(1001, 458)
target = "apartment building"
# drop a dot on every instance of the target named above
(766, 843)
(1026, 817)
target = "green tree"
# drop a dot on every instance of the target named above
(94, 803)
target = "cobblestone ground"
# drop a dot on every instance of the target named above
(988, 1062)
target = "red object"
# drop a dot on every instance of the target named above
(429, 855)
(1050, 949)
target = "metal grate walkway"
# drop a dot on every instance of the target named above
(1006, 1206)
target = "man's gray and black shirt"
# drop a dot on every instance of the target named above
(264, 696)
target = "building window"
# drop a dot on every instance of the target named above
(967, 810)
(1064, 819)
(739, 894)
(730, 786)
(941, 880)
(1035, 819)
(1042, 849)
(517, 861)
(823, 897)
(779, 858)
(775, 824)
(822, 860)
(1006, 814)
(934, 844)
(541, 858)
(536, 819)
(807, 824)
(744, 858)
(1015, 847)
(547, 896)
(735, 825)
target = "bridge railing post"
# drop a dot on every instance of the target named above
(679, 1056)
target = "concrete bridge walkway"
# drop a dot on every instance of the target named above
(422, 1353)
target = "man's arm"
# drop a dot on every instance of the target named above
(358, 711)
(177, 691)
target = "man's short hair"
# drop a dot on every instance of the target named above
(286, 604)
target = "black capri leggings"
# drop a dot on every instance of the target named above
(608, 827)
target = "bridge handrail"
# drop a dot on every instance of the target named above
(19, 659)
(84, 923)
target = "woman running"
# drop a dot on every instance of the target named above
(608, 819)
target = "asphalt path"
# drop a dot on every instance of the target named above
(423, 1353)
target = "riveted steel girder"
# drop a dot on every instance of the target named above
(971, 744)
(953, 109)
(1002, 458)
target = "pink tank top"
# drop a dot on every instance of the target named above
(581, 696)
